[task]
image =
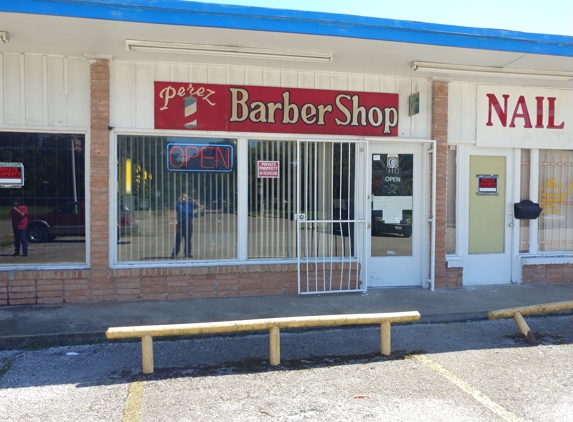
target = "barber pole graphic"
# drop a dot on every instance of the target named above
(190, 110)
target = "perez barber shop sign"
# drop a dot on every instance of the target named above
(232, 108)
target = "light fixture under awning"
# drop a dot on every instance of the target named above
(227, 51)
(489, 71)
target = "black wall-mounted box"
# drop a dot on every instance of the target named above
(526, 210)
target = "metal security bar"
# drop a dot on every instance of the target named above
(272, 195)
(327, 225)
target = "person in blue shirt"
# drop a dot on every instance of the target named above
(184, 210)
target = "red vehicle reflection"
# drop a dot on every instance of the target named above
(70, 220)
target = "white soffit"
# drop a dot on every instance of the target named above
(78, 37)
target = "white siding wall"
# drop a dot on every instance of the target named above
(462, 112)
(44, 92)
(132, 89)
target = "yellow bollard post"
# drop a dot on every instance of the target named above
(385, 338)
(524, 328)
(147, 354)
(275, 343)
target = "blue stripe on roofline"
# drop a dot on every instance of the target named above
(186, 13)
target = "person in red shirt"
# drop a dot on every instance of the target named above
(19, 213)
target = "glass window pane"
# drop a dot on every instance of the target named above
(176, 198)
(556, 199)
(272, 199)
(392, 204)
(525, 183)
(327, 173)
(53, 196)
(451, 203)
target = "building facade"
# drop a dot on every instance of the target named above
(322, 153)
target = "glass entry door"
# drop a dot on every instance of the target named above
(395, 211)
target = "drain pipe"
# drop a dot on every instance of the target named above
(432, 219)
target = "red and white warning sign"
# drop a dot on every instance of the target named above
(268, 169)
(11, 175)
(487, 184)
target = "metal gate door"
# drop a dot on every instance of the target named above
(330, 216)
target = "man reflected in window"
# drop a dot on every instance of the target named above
(184, 210)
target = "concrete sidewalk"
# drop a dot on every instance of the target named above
(49, 325)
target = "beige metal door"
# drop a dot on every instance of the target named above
(489, 213)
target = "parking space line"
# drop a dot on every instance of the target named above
(466, 388)
(132, 412)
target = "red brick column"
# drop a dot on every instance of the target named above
(444, 277)
(102, 286)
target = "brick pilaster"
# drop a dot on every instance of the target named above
(444, 277)
(102, 286)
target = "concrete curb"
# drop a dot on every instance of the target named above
(43, 341)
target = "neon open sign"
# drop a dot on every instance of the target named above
(200, 158)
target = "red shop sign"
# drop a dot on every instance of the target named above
(231, 108)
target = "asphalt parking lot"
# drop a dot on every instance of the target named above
(471, 371)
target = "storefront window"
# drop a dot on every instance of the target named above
(272, 199)
(524, 194)
(176, 198)
(313, 179)
(556, 199)
(45, 173)
(451, 202)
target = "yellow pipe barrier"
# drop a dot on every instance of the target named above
(146, 333)
(517, 315)
(532, 309)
